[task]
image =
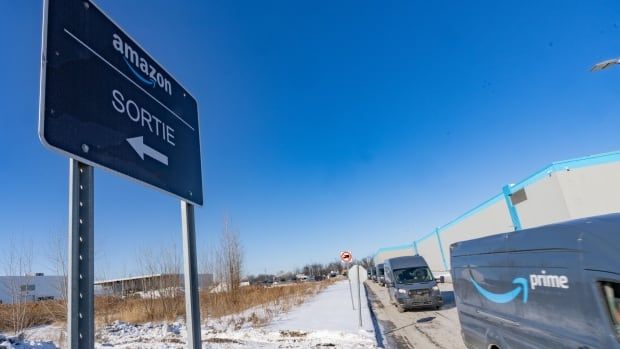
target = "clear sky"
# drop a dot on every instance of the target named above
(325, 125)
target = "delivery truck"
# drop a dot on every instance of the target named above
(411, 284)
(555, 286)
(380, 274)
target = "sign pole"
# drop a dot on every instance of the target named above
(359, 297)
(350, 288)
(80, 297)
(190, 269)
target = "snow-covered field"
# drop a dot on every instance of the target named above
(325, 320)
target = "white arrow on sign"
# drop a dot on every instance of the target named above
(137, 143)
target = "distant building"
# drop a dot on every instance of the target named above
(147, 283)
(30, 288)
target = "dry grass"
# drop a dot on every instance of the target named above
(265, 301)
(139, 310)
(15, 318)
(257, 305)
(222, 304)
(260, 304)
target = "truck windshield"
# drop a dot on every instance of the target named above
(612, 299)
(412, 275)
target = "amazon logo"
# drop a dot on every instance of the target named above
(522, 286)
(145, 72)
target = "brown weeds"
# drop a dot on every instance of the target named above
(30, 314)
(263, 303)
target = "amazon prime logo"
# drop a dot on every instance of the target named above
(522, 286)
(139, 66)
(544, 280)
(505, 297)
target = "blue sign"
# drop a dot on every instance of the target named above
(106, 102)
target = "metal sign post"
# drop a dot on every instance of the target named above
(359, 297)
(190, 269)
(347, 257)
(350, 288)
(357, 276)
(80, 309)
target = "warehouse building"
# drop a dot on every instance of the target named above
(30, 288)
(564, 190)
(154, 284)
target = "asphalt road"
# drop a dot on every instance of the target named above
(427, 328)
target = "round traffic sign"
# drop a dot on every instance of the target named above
(346, 256)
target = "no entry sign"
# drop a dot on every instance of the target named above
(346, 256)
(106, 102)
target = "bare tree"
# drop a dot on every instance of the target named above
(58, 260)
(161, 291)
(207, 267)
(367, 262)
(230, 259)
(335, 266)
(18, 267)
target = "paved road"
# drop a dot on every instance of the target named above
(421, 329)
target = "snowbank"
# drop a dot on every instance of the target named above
(18, 342)
(326, 320)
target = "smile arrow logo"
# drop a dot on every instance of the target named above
(137, 143)
(150, 82)
(504, 297)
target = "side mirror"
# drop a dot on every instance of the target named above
(440, 280)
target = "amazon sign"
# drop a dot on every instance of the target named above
(106, 102)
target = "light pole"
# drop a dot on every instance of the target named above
(605, 64)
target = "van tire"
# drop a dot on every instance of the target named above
(400, 308)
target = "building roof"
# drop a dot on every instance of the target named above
(101, 282)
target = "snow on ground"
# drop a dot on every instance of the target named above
(18, 342)
(331, 310)
(39, 337)
(325, 320)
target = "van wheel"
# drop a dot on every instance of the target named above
(400, 308)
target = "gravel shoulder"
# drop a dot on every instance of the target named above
(418, 328)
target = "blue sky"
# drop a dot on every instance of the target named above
(325, 125)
